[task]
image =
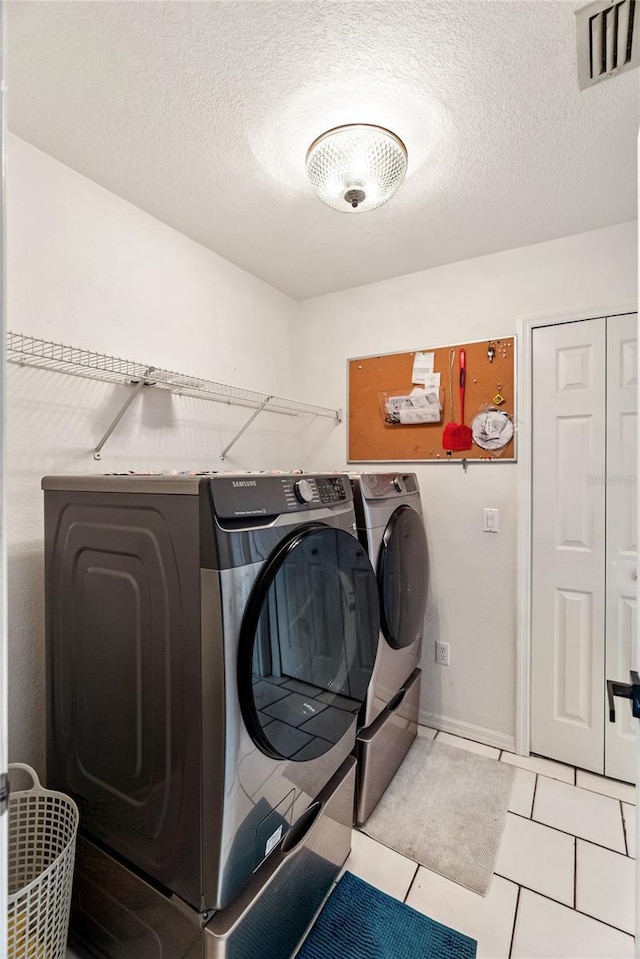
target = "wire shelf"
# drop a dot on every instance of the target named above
(46, 354)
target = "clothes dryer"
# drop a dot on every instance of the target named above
(210, 640)
(390, 524)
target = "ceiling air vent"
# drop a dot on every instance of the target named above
(607, 35)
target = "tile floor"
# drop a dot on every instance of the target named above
(564, 879)
(563, 886)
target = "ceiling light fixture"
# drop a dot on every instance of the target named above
(356, 167)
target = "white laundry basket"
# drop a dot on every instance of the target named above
(42, 844)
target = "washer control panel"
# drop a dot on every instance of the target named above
(331, 489)
(316, 491)
(269, 495)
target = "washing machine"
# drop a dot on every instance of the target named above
(390, 525)
(210, 642)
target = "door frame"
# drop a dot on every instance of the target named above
(524, 490)
(4, 642)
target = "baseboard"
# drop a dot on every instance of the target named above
(479, 734)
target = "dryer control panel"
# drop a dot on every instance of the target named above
(384, 485)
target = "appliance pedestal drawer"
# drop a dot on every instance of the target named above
(118, 915)
(382, 746)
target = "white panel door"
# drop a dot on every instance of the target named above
(568, 615)
(622, 541)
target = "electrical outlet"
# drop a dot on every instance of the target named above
(442, 654)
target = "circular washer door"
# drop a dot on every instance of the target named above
(402, 578)
(308, 643)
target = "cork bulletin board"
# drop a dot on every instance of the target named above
(373, 380)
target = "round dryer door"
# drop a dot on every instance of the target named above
(308, 643)
(402, 578)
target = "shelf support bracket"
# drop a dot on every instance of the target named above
(246, 426)
(137, 388)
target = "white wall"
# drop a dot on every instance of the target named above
(472, 602)
(88, 269)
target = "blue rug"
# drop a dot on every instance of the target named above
(360, 922)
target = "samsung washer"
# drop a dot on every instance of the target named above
(390, 524)
(210, 641)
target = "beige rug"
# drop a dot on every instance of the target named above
(446, 808)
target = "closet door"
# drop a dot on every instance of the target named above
(568, 614)
(622, 546)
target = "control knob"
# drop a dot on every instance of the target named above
(398, 484)
(303, 490)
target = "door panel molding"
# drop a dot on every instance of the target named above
(573, 512)
(573, 654)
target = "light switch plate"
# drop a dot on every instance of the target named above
(491, 520)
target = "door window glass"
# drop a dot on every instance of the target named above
(308, 643)
(402, 578)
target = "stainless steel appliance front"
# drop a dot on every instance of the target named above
(390, 524)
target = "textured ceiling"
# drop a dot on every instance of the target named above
(201, 112)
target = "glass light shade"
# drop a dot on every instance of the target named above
(357, 167)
